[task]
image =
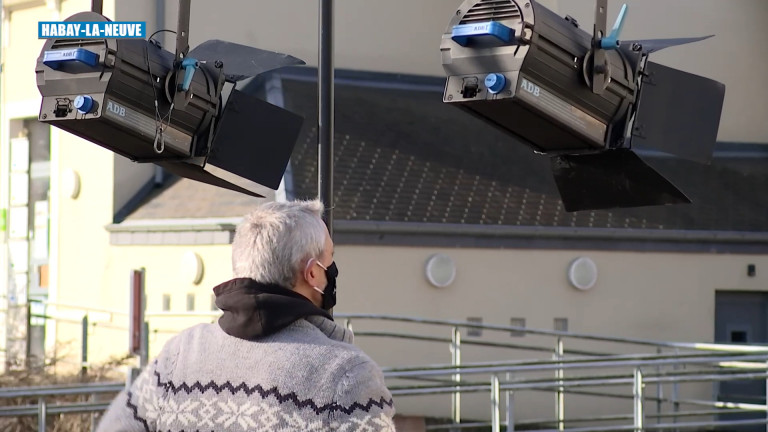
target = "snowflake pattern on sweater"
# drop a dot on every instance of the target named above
(165, 398)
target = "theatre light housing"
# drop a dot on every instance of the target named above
(155, 106)
(586, 100)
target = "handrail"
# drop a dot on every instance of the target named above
(476, 343)
(61, 389)
(585, 336)
(543, 365)
(462, 324)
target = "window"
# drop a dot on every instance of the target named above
(475, 332)
(561, 324)
(190, 302)
(517, 322)
(166, 302)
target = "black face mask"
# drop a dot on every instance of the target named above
(329, 293)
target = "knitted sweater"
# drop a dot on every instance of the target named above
(305, 376)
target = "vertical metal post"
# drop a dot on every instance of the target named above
(637, 392)
(659, 389)
(41, 414)
(84, 351)
(495, 396)
(456, 362)
(325, 112)
(144, 356)
(559, 394)
(676, 391)
(510, 395)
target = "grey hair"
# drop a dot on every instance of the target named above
(274, 242)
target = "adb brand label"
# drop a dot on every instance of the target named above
(530, 87)
(116, 109)
(91, 30)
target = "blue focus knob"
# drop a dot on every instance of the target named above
(495, 82)
(84, 104)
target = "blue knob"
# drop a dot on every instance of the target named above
(84, 104)
(495, 82)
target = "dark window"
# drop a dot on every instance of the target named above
(561, 324)
(739, 336)
(475, 332)
(517, 322)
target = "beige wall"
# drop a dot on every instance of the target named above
(164, 275)
(656, 296)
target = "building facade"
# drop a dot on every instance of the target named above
(411, 182)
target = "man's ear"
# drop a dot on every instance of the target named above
(310, 272)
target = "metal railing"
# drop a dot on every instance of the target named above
(686, 363)
(569, 368)
(44, 394)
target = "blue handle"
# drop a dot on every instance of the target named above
(491, 31)
(54, 59)
(189, 65)
(611, 42)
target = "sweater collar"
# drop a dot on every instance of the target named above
(253, 309)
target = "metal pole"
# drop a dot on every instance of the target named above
(560, 394)
(637, 392)
(456, 361)
(41, 414)
(84, 353)
(144, 357)
(659, 390)
(676, 393)
(495, 415)
(510, 407)
(325, 112)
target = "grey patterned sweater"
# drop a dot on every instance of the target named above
(306, 376)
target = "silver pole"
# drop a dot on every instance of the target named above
(676, 392)
(637, 391)
(495, 414)
(325, 112)
(41, 414)
(456, 361)
(659, 390)
(510, 407)
(84, 347)
(560, 393)
(144, 358)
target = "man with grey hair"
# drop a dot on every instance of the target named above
(275, 360)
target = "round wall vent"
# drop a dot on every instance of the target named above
(440, 270)
(191, 267)
(582, 273)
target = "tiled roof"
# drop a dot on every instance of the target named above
(404, 156)
(184, 198)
